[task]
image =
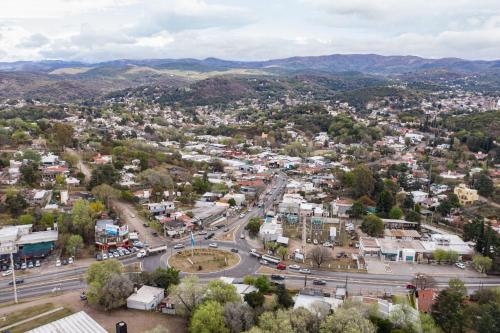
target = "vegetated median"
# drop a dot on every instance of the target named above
(203, 260)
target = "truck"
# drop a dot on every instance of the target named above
(151, 251)
(253, 252)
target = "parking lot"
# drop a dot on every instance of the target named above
(376, 266)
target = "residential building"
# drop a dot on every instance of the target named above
(466, 196)
(146, 298)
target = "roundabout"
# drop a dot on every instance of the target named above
(203, 260)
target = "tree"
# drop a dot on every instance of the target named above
(208, 318)
(74, 244)
(222, 292)
(46, 221)
(484, 185)
(481, 263)
(189, 294)
(363, 181)
(427, 324)
(63, 134)
(231, 202)
(384, 203)
(373, 225)
(357, 209)
(83, 219)
(253, 226)
(116, 291)
(282, 252)
(15, 204)
(283, 296)
(262, 283)
(319, 255)
(448, 310)
(25, 219)
(452, 256)
(30, 174)
(408, 202)
(439, 255)
(347, 320)
(395, 213)
(105, 193)
(275, 321)
(98, 275)
(255, 299)
(154, 177)
(103, 174)
(238, 317)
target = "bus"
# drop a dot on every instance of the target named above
(274, 260)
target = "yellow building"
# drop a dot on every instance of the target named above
(466, 196)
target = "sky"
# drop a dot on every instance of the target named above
(100, 30)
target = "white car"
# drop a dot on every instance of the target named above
(242, 236)
(6, 273)
(327, 244)
(141, 254)
(305, 271)
(70, 260)
(132, 215)
(263, 262)
(213, 245)
(293, 267)
(242, 215)
(178, 246)
(203, 232)
(460, 265)
(104, 256)
(58, 262)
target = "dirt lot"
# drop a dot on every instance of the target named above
(137, 321)
(210, 260)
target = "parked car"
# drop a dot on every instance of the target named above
(134, 249)
(296, 267)
(30, 264)
(203, 232)
(315, 241)
(24, 266)
(460, 265)
(65, 262)
(37, 263)
(18, 281)
(305, 271)
(120, 253)
(98, 257)
(145, 225)
(178, 246)
(71, 260)
(127, 252)
(242, 215)
(138, 244)
(277, 277)
(319, 282)
(210, 235)
(234, 250)
(7, 273)
(214, 245)
(242, 236)
(17, 266)
(58, 263)
(327, 244)
(83, 296)
(104, 256)
(154, 233)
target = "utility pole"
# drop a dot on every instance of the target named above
(13, 276)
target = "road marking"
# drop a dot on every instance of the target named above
(46, 283)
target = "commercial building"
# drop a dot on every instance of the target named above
(110, 235)
(23, 242)
(146, 298)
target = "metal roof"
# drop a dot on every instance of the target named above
(79, 322)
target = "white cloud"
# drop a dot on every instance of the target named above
(95, 30)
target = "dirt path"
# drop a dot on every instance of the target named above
(80, 165)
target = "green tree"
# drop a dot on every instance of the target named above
(452, 256)
(74, 245)
(46, 221)
(63, 134)
(357, 210)
(282, 252)
(164, 278)
(395, 213)
(253, 226)
(222, 292)
(262, 283)
(384, 203)
(103, 174)
(25, 219)
(484, 185)
(448, 310)
(116, 291)
(255, 299)
(347, 320)
(83, 220)
(439, 255)
(231, 202)
(373, 225)
(482, 263)
(15, 204)
(30, 174)
(98, 274)
(208, 318)
(283, 296)
(363, 181)
(105, 193)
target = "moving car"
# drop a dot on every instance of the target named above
(305, 271)
(18, 281)
(281, 266)
(6, 273)
(242, 215)
(319, 282)
(214, 245)
(277, 277)
(242, 236)
(293, 267)
(263, 261)
(210, 235)
(460, 265)
(178, 246)
(203, 232)
(234, 250)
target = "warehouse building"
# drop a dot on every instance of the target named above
(146, 298)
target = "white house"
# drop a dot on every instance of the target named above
(146, 298)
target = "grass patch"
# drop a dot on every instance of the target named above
(204, 260)
(41, 321)
(16, 316)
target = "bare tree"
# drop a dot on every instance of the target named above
(189, 293)
(238, 317)
(423, 281)
(116, 291)
(320, 254)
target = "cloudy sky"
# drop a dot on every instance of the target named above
(97, 30)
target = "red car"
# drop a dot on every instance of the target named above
(281, 266)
